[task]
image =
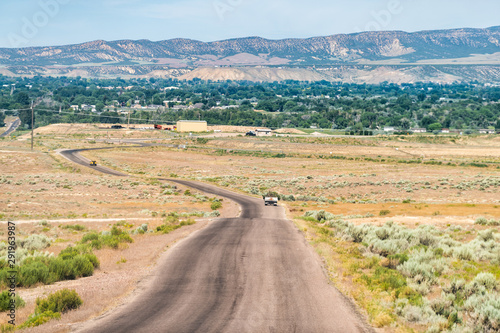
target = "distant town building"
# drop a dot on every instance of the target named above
(487, 131)
(197, 106)
(389, 129)
(192, 126)
(263, 132)
(445, 130)
(418, 130)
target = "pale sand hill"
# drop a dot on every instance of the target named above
(342, 74)
(253, 74)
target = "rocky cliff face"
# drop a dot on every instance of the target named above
(407, 47)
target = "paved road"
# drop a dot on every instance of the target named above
(12, 127)
(74, 156)
(254, 273)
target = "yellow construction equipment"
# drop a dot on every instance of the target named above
(93, 163)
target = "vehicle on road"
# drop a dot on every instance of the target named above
(273, 201)
(251, 133)
(93, 163)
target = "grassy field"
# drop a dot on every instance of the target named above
(407, 226)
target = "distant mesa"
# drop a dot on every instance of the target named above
(442, 56)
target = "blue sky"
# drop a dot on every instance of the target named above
(57, 22)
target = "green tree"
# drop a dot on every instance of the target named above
(404, 123)
(435, 127)
(25, 117)
(22, 98)
(99, 107)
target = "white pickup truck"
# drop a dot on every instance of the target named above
(273, 201)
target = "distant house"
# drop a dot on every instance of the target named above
(87, 107)
(263, 132)
(192, 126)
(487, 131)
(418, 130)
(445, 130)
(197, 106)
(389, 129)
(74, 107)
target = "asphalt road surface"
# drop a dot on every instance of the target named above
(12, 127)
(254, 273)
(74, 156)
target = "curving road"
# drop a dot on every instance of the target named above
(11, 128)
(254, 273)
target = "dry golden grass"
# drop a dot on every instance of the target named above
(358, 187)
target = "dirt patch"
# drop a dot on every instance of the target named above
(234, 129)
(289, 131)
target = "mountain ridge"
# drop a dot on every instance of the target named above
(454, 47)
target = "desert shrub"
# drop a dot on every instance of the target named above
(82, 266)
(481, 220)
(425, 236)
(168, 227)
(62, 270)
(141, 229)
(384, 212)
(61, 301)
(386, 279)
(485, 235)
(37, 319)
(90, 237)
(75, 227)
(422, 267)
(71, 263)
(216, 204)
(112, 238)
(494, 222)
(463, 253)
(287, 197)
(5, 300)
(484, 312)
(382, 233)
(487, 280)
(442, 306)
(32, 273)
(484, 221)
(455, 287)
(419, 314)
(35, 242)
(388, 247)
(320, 215)
(52, 306)
(214, 213)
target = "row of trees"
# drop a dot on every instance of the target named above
(293, 104)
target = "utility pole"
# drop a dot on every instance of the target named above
(32, 124)
(128, 119)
